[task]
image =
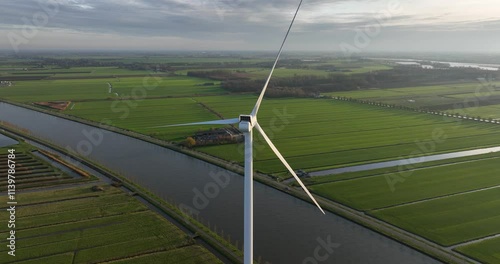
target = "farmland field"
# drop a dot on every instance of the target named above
(33, 172)
(485, 251)
(97, 89)
(471, 99)
(372, 192)
(335, 133)
(72, 72)
(450, 220)
(78, 225)
(448, 203)
(146, 114)
(332, 133)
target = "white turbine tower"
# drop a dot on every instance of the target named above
(246, 125)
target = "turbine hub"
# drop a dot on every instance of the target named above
(246, 123)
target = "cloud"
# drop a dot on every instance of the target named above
(249, 24)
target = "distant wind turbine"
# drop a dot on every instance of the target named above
(246, 125)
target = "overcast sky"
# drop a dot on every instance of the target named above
(329, 25)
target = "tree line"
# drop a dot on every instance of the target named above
(306, 85)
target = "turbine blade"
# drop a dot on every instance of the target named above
(215, 122)
(261, 96)
(276, 151)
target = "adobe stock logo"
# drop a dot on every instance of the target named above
(221, 7)
(201, 199)
(366, 34)
(322, 252)
(31, 27)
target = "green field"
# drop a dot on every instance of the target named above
(78, 225)
(372, 192)
(147, 114)
(70, 224)
(332, 133)
(328, 133)
(32, 171)
(71, 72)
(471, 99)
(448, 202)
(450, 220)
(97, 89)
(485, 251)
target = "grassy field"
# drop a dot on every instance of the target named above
(78, 225)
(97, 89)
(449, 202)
(485, 251)
(72, 72)
(472, 99)
(372, 192)
(147, 114)
(332, 133)
(449, 220)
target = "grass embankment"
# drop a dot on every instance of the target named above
(59, 160)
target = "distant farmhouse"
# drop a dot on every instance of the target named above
(6, 83)
(218, 136)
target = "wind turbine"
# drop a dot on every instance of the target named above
(246, 125)
(110, 86)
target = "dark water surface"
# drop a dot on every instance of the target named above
(6, 141)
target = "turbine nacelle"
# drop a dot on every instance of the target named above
(247, 122)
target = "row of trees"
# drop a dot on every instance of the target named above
(401, 76)
(220, 75)
(66, 63)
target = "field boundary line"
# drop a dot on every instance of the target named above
(474, 241)
(435, 198)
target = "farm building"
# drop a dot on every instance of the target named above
(6, 83)
(218, 136)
